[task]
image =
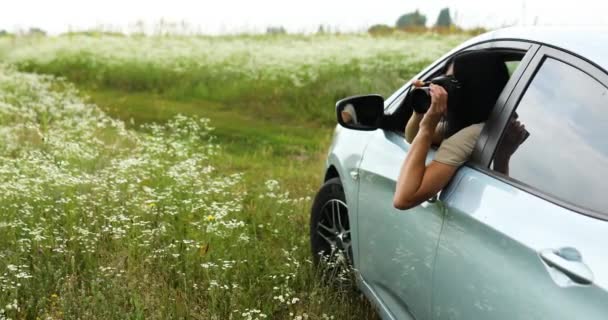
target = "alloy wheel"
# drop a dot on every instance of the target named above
(334, 228)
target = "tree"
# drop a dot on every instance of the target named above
(3, 33)
(412, 19)
(444, 19)
(380, 30)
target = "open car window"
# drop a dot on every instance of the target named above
(397, 120)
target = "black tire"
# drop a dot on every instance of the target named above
(329, 223)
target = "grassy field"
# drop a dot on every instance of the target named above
(171, 177)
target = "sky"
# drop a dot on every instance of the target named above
(236, 16)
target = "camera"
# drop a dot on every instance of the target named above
(421, 97)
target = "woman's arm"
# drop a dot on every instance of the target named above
(418, 182)
(413, 123)
(412, 127)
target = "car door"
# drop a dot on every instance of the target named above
(384, 238)
(397, 248)
(529, 242)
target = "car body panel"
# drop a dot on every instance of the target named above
(345, 154)
(396, 248)
(488, 260)
(587, 42)
(371, 295)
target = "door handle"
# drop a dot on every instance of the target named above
(570, 262)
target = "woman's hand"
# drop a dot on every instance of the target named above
(438, 108)
(413, 123)
(418, 83)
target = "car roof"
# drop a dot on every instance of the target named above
(589, 42)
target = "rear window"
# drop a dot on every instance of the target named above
(556, 141)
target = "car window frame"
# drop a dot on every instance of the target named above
(496, 132)
(520, 46)
(394, 100)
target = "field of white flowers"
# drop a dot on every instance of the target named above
(111, 213)
(103, 222)
(260, 58)
(251, 71)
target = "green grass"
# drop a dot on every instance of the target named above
(274, 77)
(114, 222)
(289, 151)
(102, 221)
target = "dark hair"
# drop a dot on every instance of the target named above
(482, 75)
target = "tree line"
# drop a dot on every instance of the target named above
(417, 22)
(411, 22)
(416, 19)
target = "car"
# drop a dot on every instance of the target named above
(530, 243)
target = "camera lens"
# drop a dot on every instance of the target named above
(421, 99)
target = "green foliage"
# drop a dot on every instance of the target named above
(444, 19)
(476, 31)
(380, 30)
(281, 78)
(102, 221)
(136, 206)
(412, 19)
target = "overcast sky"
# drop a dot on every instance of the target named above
(231, 16)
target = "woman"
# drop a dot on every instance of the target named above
(483, 75)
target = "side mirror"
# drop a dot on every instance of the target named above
(360, 112)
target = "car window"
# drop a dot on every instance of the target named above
(555, 141)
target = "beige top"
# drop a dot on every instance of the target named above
(457, 149)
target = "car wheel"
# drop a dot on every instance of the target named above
(330, 235)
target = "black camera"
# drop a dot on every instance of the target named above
(421, 97)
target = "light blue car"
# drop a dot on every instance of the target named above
(530, 243)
